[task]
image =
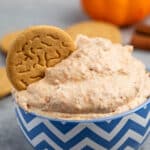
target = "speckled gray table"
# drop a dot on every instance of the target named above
(17, 14)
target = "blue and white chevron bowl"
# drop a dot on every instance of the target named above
(125, 131)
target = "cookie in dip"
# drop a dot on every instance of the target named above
(98, 79)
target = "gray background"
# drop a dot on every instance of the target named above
(17, 14)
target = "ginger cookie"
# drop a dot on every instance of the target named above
(95, 29)
(143, 29)
(141, 41)
(6, 41)
(141, 37)
(35, 49)
(5, 85)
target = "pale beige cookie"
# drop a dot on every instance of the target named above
(6, 41)
(95, 29)
(5, 85)
(35, 49)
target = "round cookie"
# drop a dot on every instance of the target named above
(5, 85)
(35, 49)
(6, 41)
(95, 29)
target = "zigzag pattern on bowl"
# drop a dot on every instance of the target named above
(122, 133)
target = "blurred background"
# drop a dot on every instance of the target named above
(16, 15)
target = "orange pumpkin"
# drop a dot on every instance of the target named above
(119, 12)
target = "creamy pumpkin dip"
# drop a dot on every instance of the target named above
(97, 80)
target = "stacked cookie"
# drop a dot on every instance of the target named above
(141, 37)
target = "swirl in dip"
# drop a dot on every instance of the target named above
(98, 79)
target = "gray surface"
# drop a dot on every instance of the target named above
(17, 14)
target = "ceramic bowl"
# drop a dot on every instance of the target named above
(124, 131)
